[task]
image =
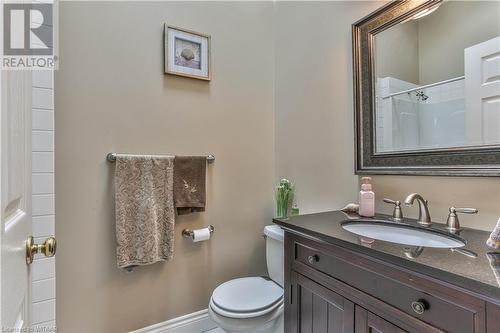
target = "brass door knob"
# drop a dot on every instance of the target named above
(48, 248)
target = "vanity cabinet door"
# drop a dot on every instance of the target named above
(316, 309)
(367, 322)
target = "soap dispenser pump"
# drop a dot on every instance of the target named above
(366, 198)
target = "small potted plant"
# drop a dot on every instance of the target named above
(284, 197)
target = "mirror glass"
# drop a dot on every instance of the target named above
(437, 79)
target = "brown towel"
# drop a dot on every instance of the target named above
(144, 209)
(189, 184)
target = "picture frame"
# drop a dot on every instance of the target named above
(187, 53)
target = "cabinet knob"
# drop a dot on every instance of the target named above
(312, 259)
(419, 306)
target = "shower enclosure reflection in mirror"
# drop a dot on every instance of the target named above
(427, 90)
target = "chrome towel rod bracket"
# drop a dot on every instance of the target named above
(111, 157)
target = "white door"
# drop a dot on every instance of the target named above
(482, 92)
(16, 244)
(15, 197)
(17, 247)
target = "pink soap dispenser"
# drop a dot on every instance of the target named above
(366, 198)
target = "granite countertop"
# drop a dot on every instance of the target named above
(474, 274)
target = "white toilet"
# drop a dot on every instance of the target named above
(253, 304)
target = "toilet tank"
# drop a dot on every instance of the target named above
(275, 256)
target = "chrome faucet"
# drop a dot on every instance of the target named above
(424, 217)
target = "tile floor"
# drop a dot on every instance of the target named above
(215, 330)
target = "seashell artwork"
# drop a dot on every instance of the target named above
(187, 54)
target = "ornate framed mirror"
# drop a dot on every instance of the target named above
(427, 88)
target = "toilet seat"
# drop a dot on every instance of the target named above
(248, 297)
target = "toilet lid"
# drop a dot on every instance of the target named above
(250, 294)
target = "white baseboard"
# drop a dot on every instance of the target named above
(196, 322)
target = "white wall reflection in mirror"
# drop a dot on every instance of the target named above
(437, 79)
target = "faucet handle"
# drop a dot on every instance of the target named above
(463, 210)
(452, 223)
(397, 214)
(394, 202)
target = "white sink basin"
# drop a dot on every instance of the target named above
(403, 234)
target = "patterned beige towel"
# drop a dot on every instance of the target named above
(145, 212)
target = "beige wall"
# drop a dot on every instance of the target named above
(396, 52)
(314, 117)
(443, 192)
(111, 95)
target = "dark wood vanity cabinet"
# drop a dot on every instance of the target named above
(319, 309)
(332, 289)
(367, 322)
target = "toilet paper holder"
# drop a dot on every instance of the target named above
(188, 233)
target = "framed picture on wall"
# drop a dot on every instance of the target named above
(187, 53)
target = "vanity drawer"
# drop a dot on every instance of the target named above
(448, 309)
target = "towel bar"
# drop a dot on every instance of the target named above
(111, 157)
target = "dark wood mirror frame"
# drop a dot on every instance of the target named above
(461, 161)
